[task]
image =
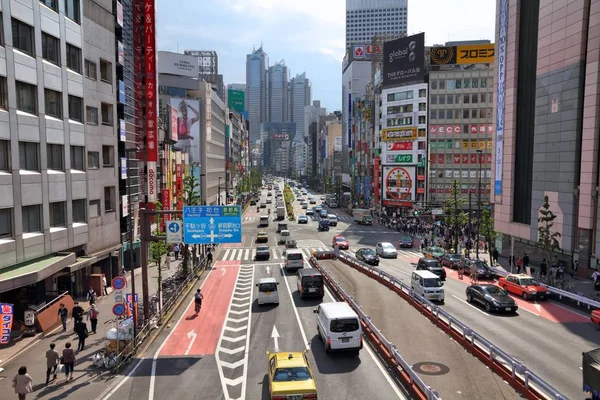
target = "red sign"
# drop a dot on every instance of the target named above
(432, 128)
(481, 128)
(457, 159)
(179, 179)
(395, 146)
(165, 199)
(473, 128)
(489, 159)
(376, 176)
(457, 129)
(473, 158)
(465, 158)
(138, 74)
(449, 129)
(490, 128)
(440, 128)
(151, 118)
(440, 158)
(482, 158)
(396, 203)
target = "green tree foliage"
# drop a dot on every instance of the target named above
(191, 197)
(158, 249)
(547, 240)
(486, 228)
(454, 215)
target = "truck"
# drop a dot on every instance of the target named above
(362, 216)
(280, 213)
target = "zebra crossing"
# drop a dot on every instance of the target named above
(248, 254)
(340, 217)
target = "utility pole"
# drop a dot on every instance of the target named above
(470, 232)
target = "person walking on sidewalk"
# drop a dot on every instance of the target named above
(76, 313)
(105, 285)
(93, 317)
(543, 268)
(519, 265)
(52, 359)
(91, 296)
(82, 333)
(63, 314)
(176, 251)
(525, 262)
(495, 256)
(68, 360)
(22, 383)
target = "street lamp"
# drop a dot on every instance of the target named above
(479, 155)
(130, 220)
(219, 190)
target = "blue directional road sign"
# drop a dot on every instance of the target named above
(212, 224)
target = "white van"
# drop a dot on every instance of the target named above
(264, 220)
(339, 327)
(267, 291)
(428, 285)
(294, 260)
(332, 219)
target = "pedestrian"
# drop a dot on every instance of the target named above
(495, 255)
(473, 273)
(63, 314)
(519, 265)
(123, 271)
(93, 317)
(22, 383)
(105, 285)
(543, 268)
(209, 258)
(52, 359)
(176, 251)
(82, 333)
(91, 296)
(68, 359)
(76, 313)
(525, 262)
(574, 269)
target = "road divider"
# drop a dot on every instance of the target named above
(525, 381)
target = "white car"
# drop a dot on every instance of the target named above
(386, 250)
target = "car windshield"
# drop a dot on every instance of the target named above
(312, 280)
(294, 256)
(406, 239)
(528, 282)
(267, 287)
(432, 264)
(453, 257)
(480, 264)
(285, 233)
(262, 248)
(344, 325)
(367, 252)
(432, 282)
(493, 290)
(387, 246)
(340, 239)
(291, 374)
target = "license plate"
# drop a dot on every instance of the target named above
(508, 309)
(345, 340)
(295, 397)
(312, 290)
(267, 293)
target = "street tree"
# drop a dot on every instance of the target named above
(159, 248)
(547, 239)
(454, 214)
(191, 197)
(486, 228)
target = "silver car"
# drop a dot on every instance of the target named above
(386, 250)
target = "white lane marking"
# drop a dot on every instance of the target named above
(306, 344)
(376, 360)
(123, 380)
(529, 311)
(227, 254)
(192, 336)
(470, 305)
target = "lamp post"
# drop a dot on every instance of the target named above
(131, 224)
(219, 191)
(479, 153)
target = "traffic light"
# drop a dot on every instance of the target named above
(416, 213)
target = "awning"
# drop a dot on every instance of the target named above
(136, 245)
(82, 262)
(105, 253)
(31, 272)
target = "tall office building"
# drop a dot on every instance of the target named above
(208, 69)
(365, 18)
(300, 96)
(277, 93)
(256, 91)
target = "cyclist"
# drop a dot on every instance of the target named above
(198, 301)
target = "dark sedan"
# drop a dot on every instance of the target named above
(451, 260)
(262, 253)
(491, 297)
(368, 256)
(405, 241)
(483, 270)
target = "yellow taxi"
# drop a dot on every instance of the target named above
(290, 377)
(262, 237)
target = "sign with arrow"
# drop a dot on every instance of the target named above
(212, 224)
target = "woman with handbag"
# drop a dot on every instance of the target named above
(82, 333)
(22, 383)
(68, 360)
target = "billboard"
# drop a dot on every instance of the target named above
(236, 100)
(151, 116)
(278, 131)
(174, 124)
(177, 64)
(337, 145)
(399, 146)
(395, 134)
(468, 54)
(503, 26)
(404, 60)
(119, 14)
(399, 183)
(188, 126)
(365, 51)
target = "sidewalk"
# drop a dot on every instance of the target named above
(30, 352)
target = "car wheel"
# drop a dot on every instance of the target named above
(487, 307)
(469, 298)
(525, 296)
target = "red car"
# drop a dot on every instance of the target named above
(524, 286)
(596, 317)
(341, 242)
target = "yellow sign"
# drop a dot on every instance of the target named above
(475, 54)
(395, 134)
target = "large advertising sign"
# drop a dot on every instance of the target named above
(151, 103)
(337, 143)
(138, 72)
(404, 60)
(399, 183)
(281, 131)
(468, 54)
(165, 199)
(501, 94)
(119, 14)
(188, 126)
(365, 51)
(399, 146)
(177, 64)
(236, 100)
(395, 134)
(7, 315)
(174, 123)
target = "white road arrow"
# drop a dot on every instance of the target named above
(538, 307)
(223, 270)
(275, 336)
(192, 336)
(268, 270)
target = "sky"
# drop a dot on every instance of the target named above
(308, 34)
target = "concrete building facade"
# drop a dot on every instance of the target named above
(277, 93)
(300, 96)
(365, 18)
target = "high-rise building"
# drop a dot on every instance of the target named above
(277, 93)
(365, 18)
(300, 96)
(208, 69)
(256, 91)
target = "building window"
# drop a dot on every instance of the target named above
(3, 89)
(456, 114)
(442, 84)
(6, 222)
(474, 113)
(406, 108)
(26, 97)
(108, 156)
(107, 114)
(93, 158)
(58, 215)
(53, 103)
(400, 96)
(75, 108)
(53, 4)
(32, 218)
(90, 70)
(482, 98)
(466, 113)
(95, 208)
(466, 83)
(422, 93)
(434, 84)
(23, 38)
(442, 99)
(105, 71)
(466, 99)
(78, 158)
(4, 155)
(422, 106)
(51, 48)
(450, 99)
(449, 114)
(79, 214)
(457, 84)
(29, 157)
(433, 99)
(109, 198)
(74, 58)
(55, 156)
(1, 31)
(72, 10)
(475, 83)
(489, 113)
(474, 98)
(422, 119)
(482, 113)
(433, 114)
(91, 114)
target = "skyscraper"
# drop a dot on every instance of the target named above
(365, 18)
(300, 96)
(256, 90)
(277, 93)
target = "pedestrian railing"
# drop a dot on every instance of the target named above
(521, 376)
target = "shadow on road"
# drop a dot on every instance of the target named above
(307, 302)
(335, 363)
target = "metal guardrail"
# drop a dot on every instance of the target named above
(517, 370)
(51, 302)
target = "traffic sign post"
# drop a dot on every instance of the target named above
(118, 282)
(212, 224)
(119, 309)
(119, 296)
(174, 232)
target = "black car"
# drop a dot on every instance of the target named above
(431, 265)
(483, 270)
(310, 283)
(451, 260)
(405, 241)
(368, 256)
(262, 253)
(492, 297)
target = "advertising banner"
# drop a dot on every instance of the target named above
(467, 54)
(399, 183)
(173, 126)
(365, 51)
(165, 199)
(124, 205)
(367, 188)
(404, 60)
(188, 126)
(7, 315)
(122, 131)
(179, 182)
(123, 167)
(337, 145)
(151, 101)
(226, 146)
(119, 14)
(349, 120)
(399, 159)
(394, 134)
(503, 26)
(121, 53)
(376, 172)
(236, 100)
(177, 64)
(396, 146)
(121, 92)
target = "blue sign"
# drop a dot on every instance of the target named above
(118, 282)
(122, 92)
(119, 309)
(212, 224)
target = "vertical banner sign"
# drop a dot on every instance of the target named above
(151, 106)
(349, 120)
(376, 176)
(6, 321)
(165, 199)
(174, 135)
(501, 96)
(138, 72)
(227, 148)
(178, 179)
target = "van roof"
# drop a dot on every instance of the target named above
(338, 309)
(293, 251)
(425, 274)
(309, 271)
(267, 280)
